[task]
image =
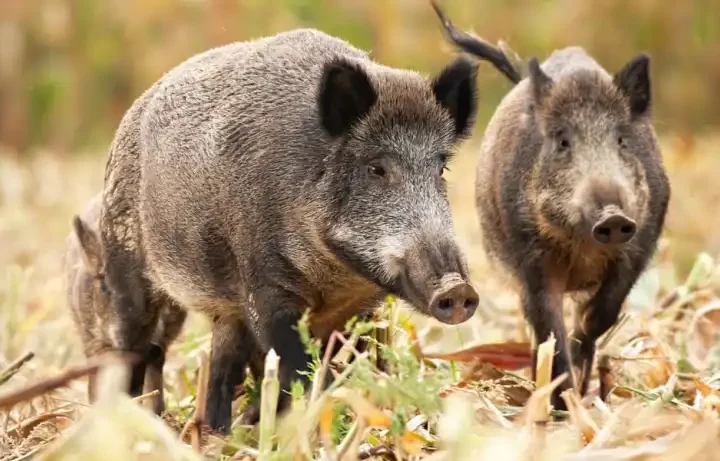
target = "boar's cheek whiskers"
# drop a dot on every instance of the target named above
(392, 252)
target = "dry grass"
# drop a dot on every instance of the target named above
(440, 409)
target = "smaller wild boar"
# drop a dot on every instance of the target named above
(89, 303)
(571, 192)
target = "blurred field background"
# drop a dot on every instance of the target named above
(69, 69)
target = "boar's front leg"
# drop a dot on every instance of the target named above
(251, 414)
(230, 351)
(597, 316)
(272, 314)
(542, 306)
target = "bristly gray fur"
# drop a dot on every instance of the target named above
(566, 144)
(228, 189)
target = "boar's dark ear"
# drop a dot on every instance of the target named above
(89, 245)
(540, 81)
(455, 89)
(346, 95)
(634, 81)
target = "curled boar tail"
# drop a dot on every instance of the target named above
(478, 47)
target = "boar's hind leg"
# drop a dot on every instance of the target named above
(596, 318)
(230, 350)
(542, 307)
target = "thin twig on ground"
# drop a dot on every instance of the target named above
(352, 439)
(33, 452)
(23, 429)
(14, 397)
(149, 395)
(24, 425)
(317, 387)
(14, 367)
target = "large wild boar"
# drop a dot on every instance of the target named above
(571, 191)
(89, 301)
(264, 178)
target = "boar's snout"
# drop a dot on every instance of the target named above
(606, 206)
(454, 301)
(433, 277)
(614, 228)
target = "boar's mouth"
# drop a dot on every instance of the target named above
(402, 288)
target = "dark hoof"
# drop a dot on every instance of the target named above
(158, 404)
(155, 355)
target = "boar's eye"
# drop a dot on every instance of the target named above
(621, 141)
(377, 170)
(443, 164)
(561, 139)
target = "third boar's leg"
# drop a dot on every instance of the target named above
(169, 327)
(542, 307)
(230, 351)
(155, 361)
(597, 316)
(136, 316)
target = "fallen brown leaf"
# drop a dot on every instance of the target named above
(507, 356)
